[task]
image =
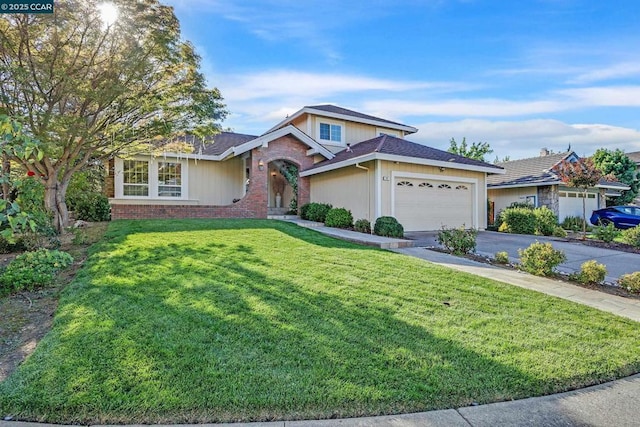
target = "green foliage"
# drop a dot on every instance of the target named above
(581, 174)
(93, 207)
(546, 221)
(458, 240)
(31, 200)
(631, 236)
(606, 233)
(476, 151)
(592, 272)
(388, 226)
(79, 237)
(559, 232)
(630, 282)
(518, 221)
(91, 180)
(339, 218)
(363, 226)
(528, 220)
(540, 259)
(618, 164)
(33, 269)
(501, 257)
(315, 211)
(572, 223)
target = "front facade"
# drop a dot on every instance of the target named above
(534, 181)
(338, 156)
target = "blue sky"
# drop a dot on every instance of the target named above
(520, 75)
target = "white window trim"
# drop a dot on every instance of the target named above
(153, 178)
(322, 120)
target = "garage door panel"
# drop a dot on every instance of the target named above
(421, 205)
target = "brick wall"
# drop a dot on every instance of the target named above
(252, 205)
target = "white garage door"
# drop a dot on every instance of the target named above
(423, 204)
(571, 204)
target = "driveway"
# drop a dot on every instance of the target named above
(490, 242)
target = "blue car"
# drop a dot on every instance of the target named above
(620, 216)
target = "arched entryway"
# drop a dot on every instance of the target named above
(282, 187)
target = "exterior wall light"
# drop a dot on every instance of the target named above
(260, 165)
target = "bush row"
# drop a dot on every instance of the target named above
(342, 218)
(529, 220)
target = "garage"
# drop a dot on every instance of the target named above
(429, 204)
(570, 204)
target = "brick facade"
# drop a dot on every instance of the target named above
(252, 205)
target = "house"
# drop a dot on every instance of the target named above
(533, 181)
(342, 157)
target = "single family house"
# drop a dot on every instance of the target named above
(339, 156)
(534, 181)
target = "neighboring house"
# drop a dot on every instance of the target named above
(635, 156)
(533, 181)
(345, 158)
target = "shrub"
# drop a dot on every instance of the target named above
(33, 269)
(363, 226)
(572, 223)
(630, 282)
(606, 233)
(546, 221)
(339, 218)
(458, 240)
(303, 211)
(317, 211)
(518, 220)
(631, 236)
(559, 232)
(540, 259)
(502, 257)
(93, 207)
(388, 226)
(592, 272)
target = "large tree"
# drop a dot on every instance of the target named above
(477, 150)
(581, 174)
(618, 164)
(88, 88)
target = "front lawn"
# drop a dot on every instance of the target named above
(229, 320)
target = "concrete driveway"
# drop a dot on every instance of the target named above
(490, 242)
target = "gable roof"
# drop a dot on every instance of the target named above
(335, 112)
(225, 144)
(536, 171)
(529, 172)
(387, 147)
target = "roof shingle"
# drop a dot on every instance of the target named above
(339, 110)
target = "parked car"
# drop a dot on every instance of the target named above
(620, 216)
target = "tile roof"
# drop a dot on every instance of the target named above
(387, 144)
(339, 110)
(535, 170)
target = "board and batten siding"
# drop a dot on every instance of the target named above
(504, 197)
(349, 187)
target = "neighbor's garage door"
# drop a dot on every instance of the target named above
(428, 204)
(571, 204)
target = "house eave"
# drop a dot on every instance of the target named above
(400, 159)
(263, 141)
(531, 184)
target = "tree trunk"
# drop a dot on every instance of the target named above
(55, 202)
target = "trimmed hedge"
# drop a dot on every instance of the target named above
(388, 226)
(526, 220)
(363, 226)
(339, 218)
(315, 211)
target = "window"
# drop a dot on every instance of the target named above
(444, 186)
(462, 187)
(331, 132)
(425, 184)
(169, 179)
(135, 178)
(404, 184)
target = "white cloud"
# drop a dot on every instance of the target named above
(615, 71)
(611, 96)
(521, 139)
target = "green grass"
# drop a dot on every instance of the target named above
(228, 320)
